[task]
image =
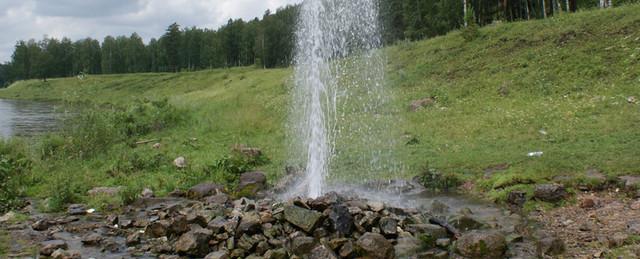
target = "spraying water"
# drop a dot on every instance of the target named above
(340, 120)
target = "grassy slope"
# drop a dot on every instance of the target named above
(569, 76)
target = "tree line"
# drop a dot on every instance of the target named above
(267, 42)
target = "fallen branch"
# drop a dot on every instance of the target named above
(451, 229)
(146, 141)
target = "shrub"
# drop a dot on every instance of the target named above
(136, 161)
(236, 163)
(437, 181)
(14, 164)
(471, 31)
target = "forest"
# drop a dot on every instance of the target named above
(267, 42)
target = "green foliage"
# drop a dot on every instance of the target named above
(438, 181)
(471, 31)
(137, 161)
(236, 163)
(62, 191)
(13, 166)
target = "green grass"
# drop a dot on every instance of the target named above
(568, 76)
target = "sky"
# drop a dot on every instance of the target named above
(78, 19)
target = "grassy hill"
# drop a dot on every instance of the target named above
(558, 85)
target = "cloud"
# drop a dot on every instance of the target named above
(77, 19)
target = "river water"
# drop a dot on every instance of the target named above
(26, 118)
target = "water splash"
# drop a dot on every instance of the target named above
(340, 110)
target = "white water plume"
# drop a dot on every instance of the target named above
(340, 109)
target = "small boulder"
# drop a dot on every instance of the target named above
(218, 199)
(375, 206)
(389, 226)
(222, 254)
(251, 183)
(341, 220)
(549, 245)
(517, 198)
(322, 252)
(134, 238)
(41, 225)
(77, 209)
(630, 182)
(63, 254)
(300, 244)
(375, 246)
(632, 100)
(305, 219)
(203, 190)
(633, 227)
(466, 223)
(194, 243)
(147, 193)
(432, 230)
(158, 228)
(180, 162)
(587, 203)
(48, 247)
(550, 192)
(250, 223)
(92, 239)
(407, 247)
(482, 244)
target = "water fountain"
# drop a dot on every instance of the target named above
(340, 112)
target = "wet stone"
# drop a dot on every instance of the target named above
(92, 239)
(305, 219)
(481, 244)
(375, 246)
(322, 252)
(48, 247)
(341, 220)
(389, 226)
(77, 209)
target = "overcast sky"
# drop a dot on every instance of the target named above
(76, 19)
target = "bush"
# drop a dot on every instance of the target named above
(472, 30)
(136, 161)
(437, 181)
(236, 163)
(14, 164)
(96, 129)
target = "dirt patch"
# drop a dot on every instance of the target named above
(596, 226)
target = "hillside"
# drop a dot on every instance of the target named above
(558, 85)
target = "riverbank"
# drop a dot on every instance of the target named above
(550, 101)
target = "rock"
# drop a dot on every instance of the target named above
(305, 219)
(630, 182)
(633, 227)
(157, 146)
(194, 242)
(389, 226)
(300, 244)
(62, 254)
(9, 216)
(517, 198)
(251, 183)
(40, 225)
(325, 201)
(417, 104)
(594, 180)
(550, 192)
(341, 220)
(218, 199)
(550, 245)
(481, 244)
(134, 238)
(443, 242)
(48, 247)
(432, 230)
(465, 223)
(276, 254)
(247, 243)
(158, 228)
(92, 239)
(180, 162)
(203, 190)
(632, 100)
(375, 206)
(147, 193)
(322, 252)
(348, 250)
(407, 247)
(375, 246)
(616, 240)
(77, 209)
(104, 191)
(587, 203)
(222, 254)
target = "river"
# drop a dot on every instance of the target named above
(26, 117)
